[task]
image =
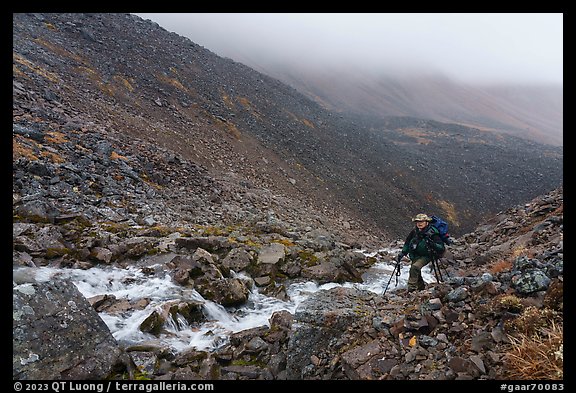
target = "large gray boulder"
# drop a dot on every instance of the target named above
(320, 324)
(58, 335)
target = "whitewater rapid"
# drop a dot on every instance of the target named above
(133, 284)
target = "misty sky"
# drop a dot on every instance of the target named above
(484, 48)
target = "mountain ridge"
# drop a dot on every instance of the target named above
(167, 89)
(528, 111)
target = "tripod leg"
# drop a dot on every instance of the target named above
(439, 269)
(397, 266)
(395, 273)
(436, 271)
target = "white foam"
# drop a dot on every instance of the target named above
(132, 284)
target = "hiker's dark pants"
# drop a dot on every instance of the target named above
(415, 280)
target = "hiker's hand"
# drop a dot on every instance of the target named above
(399, 257)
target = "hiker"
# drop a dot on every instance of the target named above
(422, 245)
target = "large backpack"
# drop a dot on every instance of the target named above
(442, 227)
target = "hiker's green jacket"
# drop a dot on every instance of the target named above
(423, 243)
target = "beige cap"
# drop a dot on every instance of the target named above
(421, 217)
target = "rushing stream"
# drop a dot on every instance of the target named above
(133, 285)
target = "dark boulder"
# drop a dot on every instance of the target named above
(58, 335)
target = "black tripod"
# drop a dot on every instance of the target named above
(436, 267)
(395, 273)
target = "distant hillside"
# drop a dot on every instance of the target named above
(125, 78)
(533, 112)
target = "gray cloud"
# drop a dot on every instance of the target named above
(490, 47)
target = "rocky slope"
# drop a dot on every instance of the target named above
(501, 294)
(133, 147)
(134, 79)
